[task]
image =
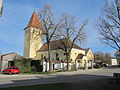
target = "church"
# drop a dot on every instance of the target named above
(35, 49)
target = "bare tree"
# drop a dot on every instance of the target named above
(49, 25)
(109, 24)
(69, 34)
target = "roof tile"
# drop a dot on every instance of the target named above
(34, 21)
(56, 44)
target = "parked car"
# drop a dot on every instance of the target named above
(11, 70)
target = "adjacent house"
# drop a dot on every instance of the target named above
(113, 61)
(6, 60)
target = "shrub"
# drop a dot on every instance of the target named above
(33, 69)
(97, 66)
(23, 64)
(89, 67)
(81, 67)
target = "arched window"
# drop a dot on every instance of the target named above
(57, 56)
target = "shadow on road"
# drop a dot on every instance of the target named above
(54, 78)
(112, 67)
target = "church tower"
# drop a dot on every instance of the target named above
(32, 37)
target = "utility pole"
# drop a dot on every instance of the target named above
(1, 8)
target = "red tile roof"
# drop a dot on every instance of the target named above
(34, 22)
(56, 44)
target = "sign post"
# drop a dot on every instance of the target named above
(1, 8)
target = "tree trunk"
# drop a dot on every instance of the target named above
(91, 64)
(68, 59)
(119, 57)
(75, 64)
(63, 65)
(46, 67)
(49, 57)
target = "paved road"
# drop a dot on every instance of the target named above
(76, 76)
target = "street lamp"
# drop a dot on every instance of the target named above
(1, 8)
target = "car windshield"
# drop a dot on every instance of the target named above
(12, 68)
(8, 68)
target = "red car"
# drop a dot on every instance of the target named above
(11, 70)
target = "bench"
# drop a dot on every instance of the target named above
(116, 75)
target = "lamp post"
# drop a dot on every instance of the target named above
(1, 8)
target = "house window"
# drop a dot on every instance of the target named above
(64, 53)
(45, 57)
(71, 59)
(41, 56)
(57, 58)
(56, 54)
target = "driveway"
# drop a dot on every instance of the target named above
(76, 76)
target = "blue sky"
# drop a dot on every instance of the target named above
(17, 13)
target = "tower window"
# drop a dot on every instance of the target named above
(25, 32)
(37, 30)
(33, 30)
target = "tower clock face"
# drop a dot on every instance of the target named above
(36, 31)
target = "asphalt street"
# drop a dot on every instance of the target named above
(76, 76)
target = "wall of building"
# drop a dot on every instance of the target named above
(32, 42)
(114, 61)
(61, 54)
(26, 42)
(84, 61)
(5, 60)
(90, 55)
(56, 66)
(74, 53)
(53, 54)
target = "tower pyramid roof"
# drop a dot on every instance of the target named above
(34, 22)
